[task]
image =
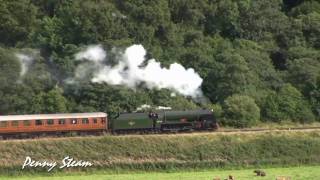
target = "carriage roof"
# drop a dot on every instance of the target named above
(51, 116)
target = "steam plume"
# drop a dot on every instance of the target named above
(25, 62)
(129, 71)
(92, 53)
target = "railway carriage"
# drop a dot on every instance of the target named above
(43, 124)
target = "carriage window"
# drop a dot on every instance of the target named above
(26, 123)
(85, 121)
(62, 121)
(50, 121)
(38, 122)
(74, 121)
(14, 123)
(103, 121)
(3, 124)
(95, 120)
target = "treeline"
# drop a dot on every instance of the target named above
(260, 60)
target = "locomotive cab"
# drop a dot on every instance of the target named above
(208, 121)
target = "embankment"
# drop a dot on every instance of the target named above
(166, 152)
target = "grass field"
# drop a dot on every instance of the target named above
(166, 152)
(296, 173)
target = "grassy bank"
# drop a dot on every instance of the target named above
(167, 152)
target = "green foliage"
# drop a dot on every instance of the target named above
(217, 110)
(230, 75)
(311, 28)
(315, 99)
(224, 19)
(48, 36)
(303, 73)
(17, 21)
(259, 62)
(50, 102)
(287, 104)
(305, 7)
(168, 99)
(258, 19)
(241, 111)
(9, 68)
(251, 48)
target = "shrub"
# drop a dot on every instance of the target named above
(241, 111)
(287, 104)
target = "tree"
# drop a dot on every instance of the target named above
(223, 18)
(260, 18)
(9, 69)
(302, 7)
(166, 98)
(303, 74)
(16, 99)
(187, 12)
(287, 104)
(50, 102)
(230, 75)
(88, 22)
(315, 99)
(216, 109)
(259, 62)
(241, 111)
(311, 29)
(250, 48)
(17, 21)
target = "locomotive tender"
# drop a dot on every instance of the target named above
(98, 123)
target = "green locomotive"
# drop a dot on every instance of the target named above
(164, 121)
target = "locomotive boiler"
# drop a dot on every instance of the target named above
(165, 121)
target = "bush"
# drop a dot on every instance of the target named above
(241, 111)
(287, 104)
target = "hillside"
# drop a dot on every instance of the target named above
(250, 60)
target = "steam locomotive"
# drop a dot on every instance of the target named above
(99, 123)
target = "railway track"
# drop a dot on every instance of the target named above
(230, 131)
(220, 131)
(253, 130)
(270, 129)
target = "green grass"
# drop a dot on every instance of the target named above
(296, 173)
(167, 152)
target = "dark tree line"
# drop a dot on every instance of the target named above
(260, 60)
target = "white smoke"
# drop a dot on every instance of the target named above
(25, 62)
(145, 107)
(92, 53)
(164, 108)
(129, 71)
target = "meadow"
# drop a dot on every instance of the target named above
(173, 152)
